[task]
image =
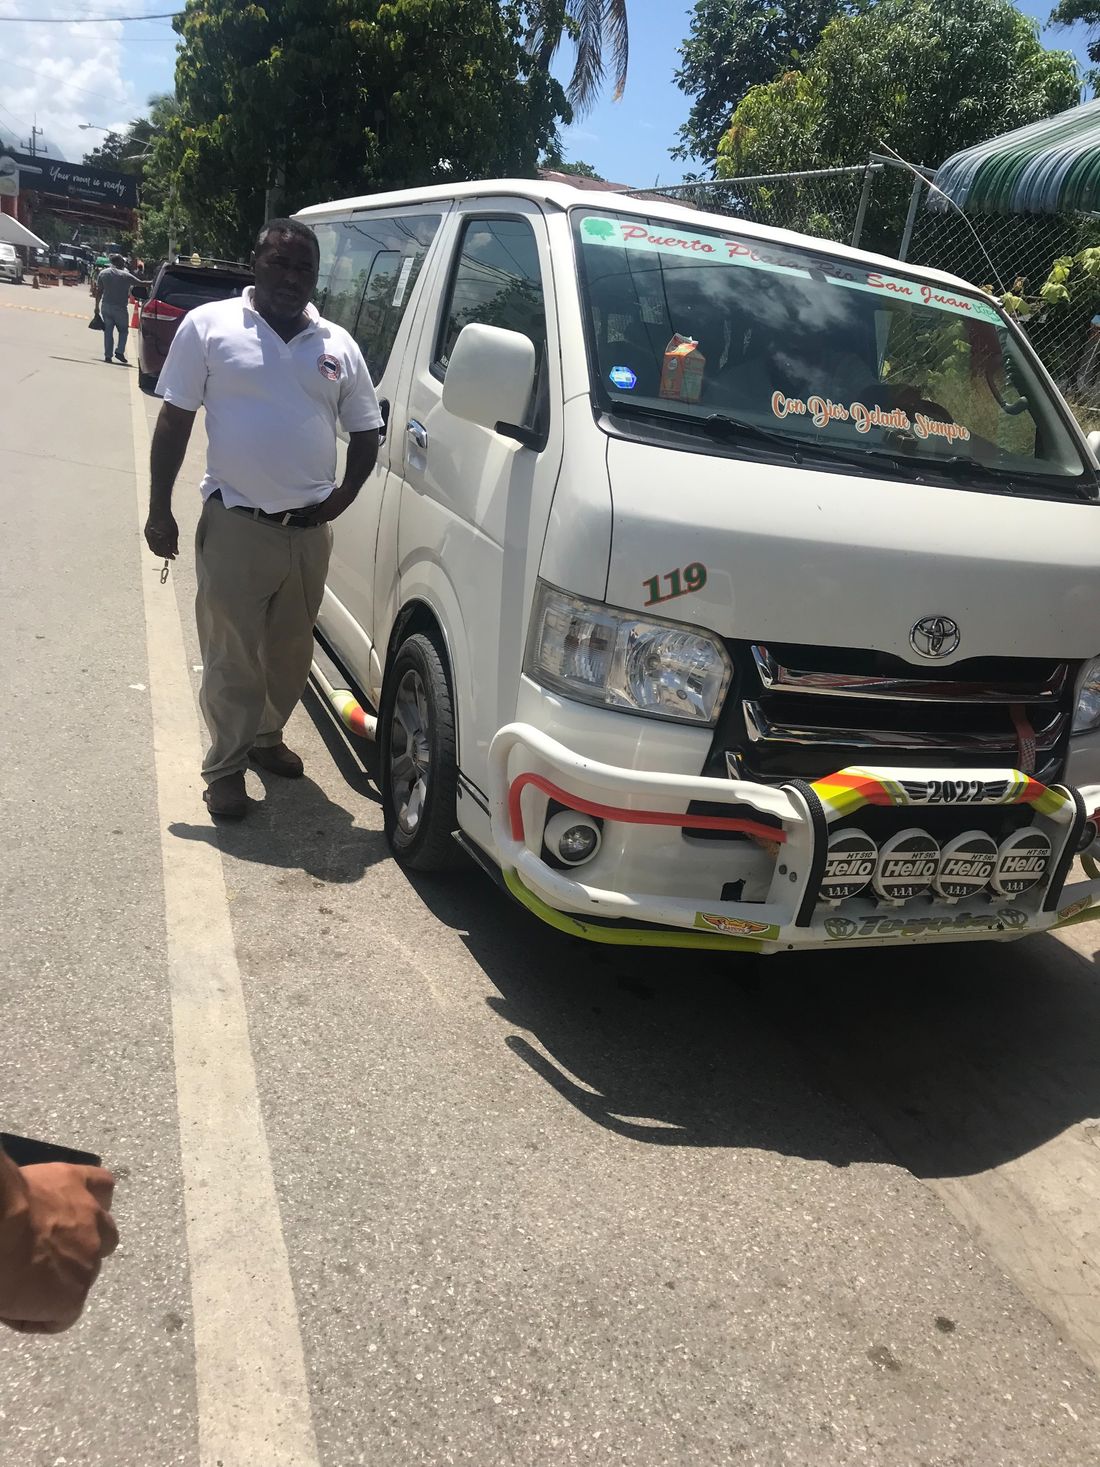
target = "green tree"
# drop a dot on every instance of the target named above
(1069, 12)
(928, 77)
(286, 102)
(554, 160)
(595, 27)
(109, 153)
(735, 45)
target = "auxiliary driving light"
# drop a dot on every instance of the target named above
(573, 838)
(907, 864)
(1022, 862)
(966, 865)
(849, 865)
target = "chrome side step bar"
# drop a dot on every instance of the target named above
(332, 683)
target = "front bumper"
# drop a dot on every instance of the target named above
(650, 887)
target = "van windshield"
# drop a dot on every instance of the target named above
(804, 348)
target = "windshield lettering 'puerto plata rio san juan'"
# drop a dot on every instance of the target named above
(812, 348)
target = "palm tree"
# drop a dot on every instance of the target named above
(592, 26)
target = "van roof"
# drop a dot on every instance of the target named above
(565, 196)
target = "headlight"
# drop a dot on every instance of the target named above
(1088, 699)
(616, 659)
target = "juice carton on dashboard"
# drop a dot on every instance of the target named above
(682, 371)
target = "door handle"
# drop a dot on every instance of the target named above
(417, 432)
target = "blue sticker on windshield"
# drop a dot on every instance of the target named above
(623, 378)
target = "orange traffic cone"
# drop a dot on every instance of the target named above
(135, 319)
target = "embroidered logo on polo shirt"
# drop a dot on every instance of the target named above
(329, 367)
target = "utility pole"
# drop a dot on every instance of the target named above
(36, 133)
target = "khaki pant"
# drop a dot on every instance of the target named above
(260, 588)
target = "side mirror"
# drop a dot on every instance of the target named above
(490, 378)
(140, 292)
(1093, 441)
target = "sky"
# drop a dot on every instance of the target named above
(103, 74)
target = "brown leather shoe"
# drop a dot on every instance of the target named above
(225, 798)
(278, 759)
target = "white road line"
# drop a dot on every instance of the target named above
(253, 1399)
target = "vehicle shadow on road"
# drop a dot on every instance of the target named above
(961, 1057)
(658, 1047)
(297, 827)
(957, 1058)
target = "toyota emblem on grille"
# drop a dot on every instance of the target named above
(935, 636)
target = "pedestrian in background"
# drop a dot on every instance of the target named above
(275, 378)
(112, 298)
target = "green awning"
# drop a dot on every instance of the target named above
(1048, 167)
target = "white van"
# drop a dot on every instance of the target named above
(11, 266)
(719, 587)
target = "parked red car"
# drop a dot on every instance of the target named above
(177, 289)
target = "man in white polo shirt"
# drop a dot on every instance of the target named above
(274, 378)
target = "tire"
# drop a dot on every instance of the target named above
(419, 784)
(146, 381)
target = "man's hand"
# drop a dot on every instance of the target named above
(162, 535)
(54, 1233)
(332, 507)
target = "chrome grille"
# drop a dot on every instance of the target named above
(807, 711)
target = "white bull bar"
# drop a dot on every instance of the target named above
(527, 769)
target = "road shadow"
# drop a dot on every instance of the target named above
(956, 1058)
(657, 1047)
(962, 1057)
(297, 827)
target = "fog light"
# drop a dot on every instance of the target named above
(573, 838)
(907, 864)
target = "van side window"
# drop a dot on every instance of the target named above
(368, 269)
(496, 282)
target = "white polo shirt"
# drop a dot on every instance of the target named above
(271, 405)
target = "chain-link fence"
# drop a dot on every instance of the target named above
(886, 207)
(823, 202)
(1013, 255)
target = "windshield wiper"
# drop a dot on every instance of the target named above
(721, 425)
(910, 465)
(1009, 481)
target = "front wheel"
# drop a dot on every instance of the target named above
(146, 381)
(418, 760)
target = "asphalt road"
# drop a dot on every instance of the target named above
(484, 1195)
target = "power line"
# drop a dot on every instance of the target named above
(60, 85)
(86, 19)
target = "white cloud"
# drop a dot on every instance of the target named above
(67, 74)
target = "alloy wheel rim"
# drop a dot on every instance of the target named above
(410, 751)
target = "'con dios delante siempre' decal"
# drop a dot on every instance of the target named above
(823, 410)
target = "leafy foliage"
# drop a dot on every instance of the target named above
(928, 77)
(1074, 282)
(735, 45)
(554, 160)
(594, 27)
(284, 102)
(1069, 12)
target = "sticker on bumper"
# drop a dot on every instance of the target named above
(735, 926)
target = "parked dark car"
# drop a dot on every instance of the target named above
(176, 289)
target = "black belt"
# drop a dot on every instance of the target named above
(296, 519)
